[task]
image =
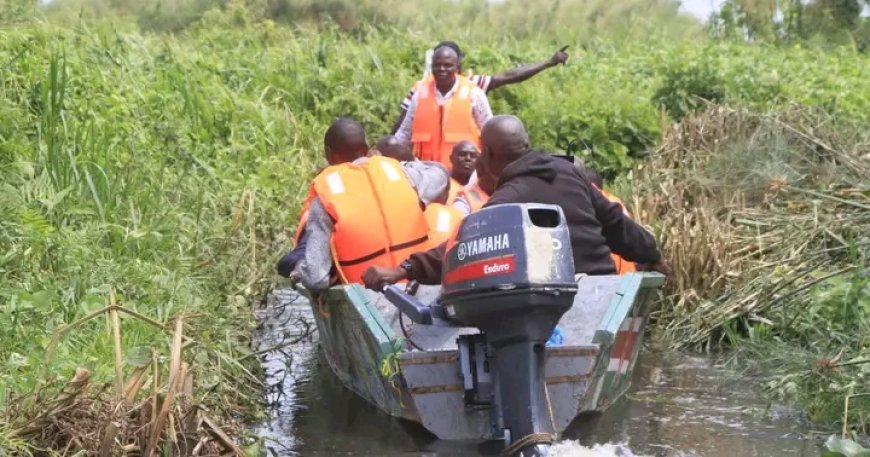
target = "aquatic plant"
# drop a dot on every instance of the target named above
(766, 219)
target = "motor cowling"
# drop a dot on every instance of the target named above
(509, 271)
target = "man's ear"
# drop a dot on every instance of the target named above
(329, 155)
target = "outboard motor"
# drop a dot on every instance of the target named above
(510, 273)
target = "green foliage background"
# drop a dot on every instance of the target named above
(163, 148)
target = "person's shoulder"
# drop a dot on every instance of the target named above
(426, 166)
(480, 80)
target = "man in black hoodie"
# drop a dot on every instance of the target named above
(597, 226)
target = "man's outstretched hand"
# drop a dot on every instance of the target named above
(376, 278)
(560, 57)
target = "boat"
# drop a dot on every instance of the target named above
(443, 374)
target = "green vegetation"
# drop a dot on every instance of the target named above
(770, 249)
(162, 148)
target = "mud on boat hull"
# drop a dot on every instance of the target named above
(603, 331)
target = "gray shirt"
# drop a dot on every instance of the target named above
(429, 179)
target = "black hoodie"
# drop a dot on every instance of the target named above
(597, 225)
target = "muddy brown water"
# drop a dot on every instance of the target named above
(679, 405)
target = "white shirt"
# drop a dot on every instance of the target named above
(480, 110)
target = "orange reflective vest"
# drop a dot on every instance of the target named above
(622, 265)
(436, 129)
(377, 215)
(475, 196)
(455, 189)
(442, 220)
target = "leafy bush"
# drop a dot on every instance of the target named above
(687, 88)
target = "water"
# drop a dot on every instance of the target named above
(679, 405)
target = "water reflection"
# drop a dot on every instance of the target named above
(678, 406)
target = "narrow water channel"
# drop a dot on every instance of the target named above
(679, 405)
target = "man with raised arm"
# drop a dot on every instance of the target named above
(486, 82)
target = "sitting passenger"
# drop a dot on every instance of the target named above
(366, 211)
(596, 226)
(335, 154)
(463, 158)
(476, 193)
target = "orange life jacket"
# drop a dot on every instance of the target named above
(377, 215)
(622, 266)
(442, 220)
(436, 129)
(475, 196)
(455, 189)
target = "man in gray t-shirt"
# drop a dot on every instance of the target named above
(343, 144)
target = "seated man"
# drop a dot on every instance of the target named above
(476, 193)
(596, 225)
(337, 152)
(462, 160)
(394, 148)
(366, 211)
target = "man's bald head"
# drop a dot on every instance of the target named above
(504, 140)
(394, 148)
(345, 141)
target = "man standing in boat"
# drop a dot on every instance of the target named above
(366, 211)
(444, 111)
(597, 226)
(486, 83)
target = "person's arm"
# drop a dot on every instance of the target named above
(315, 267)
(405, 105)
(404, 131)
(288, 263)
(523, 73)
(480, 109)
(425, 268)
(623, 235)
(399, 121)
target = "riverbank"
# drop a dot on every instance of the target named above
(168, 166)
(766, 220)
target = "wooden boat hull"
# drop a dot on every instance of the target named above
(368, 352)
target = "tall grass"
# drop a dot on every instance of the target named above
(765, 218)
(170, 166)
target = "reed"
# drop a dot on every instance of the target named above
(766, 220)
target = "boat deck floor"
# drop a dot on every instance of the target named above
(578, 325)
